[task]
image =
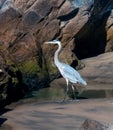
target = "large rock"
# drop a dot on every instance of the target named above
(99, 71)
(91, 39)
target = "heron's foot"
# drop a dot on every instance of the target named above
(75, 100)
(62, 102)
(67, 101)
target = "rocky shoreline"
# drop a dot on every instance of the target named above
(56, 115)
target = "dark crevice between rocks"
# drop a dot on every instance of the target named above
(69, 16)
(58, 36)
(14, 88)
(75, 64)
(18, 38)
(91, 39)
(41, 62)
(15, 91)
(39, 54)
(62, 3)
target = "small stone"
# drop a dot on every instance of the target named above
(95, 125)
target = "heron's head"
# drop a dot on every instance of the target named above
(53, 42)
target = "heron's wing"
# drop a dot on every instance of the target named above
(70, 73)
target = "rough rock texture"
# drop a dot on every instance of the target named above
(94, 37)
(84, 27)
(98, 71)
(95, 125)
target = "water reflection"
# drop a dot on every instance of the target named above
(97, 94)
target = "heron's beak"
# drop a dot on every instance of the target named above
(49, 42)
(46, 43)
(1, 70)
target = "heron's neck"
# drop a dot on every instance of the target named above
(56, 54)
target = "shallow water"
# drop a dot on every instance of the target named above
(104, 93)
(54, 94)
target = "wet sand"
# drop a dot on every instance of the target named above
(32, 115)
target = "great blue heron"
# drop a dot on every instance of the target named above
(69, 73)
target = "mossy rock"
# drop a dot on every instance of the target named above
(29, 66)
(32, 73)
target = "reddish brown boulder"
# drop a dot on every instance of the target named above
(99, 71)
(65, 9)
(57, 3)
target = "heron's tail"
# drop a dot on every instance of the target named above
(83, 82)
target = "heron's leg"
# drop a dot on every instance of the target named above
(73, 89)
(67, 82)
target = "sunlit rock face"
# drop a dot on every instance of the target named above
(99, 72)
(83, 26)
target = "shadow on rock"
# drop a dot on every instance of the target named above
(2, 120)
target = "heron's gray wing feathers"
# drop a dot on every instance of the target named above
(70, 73)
